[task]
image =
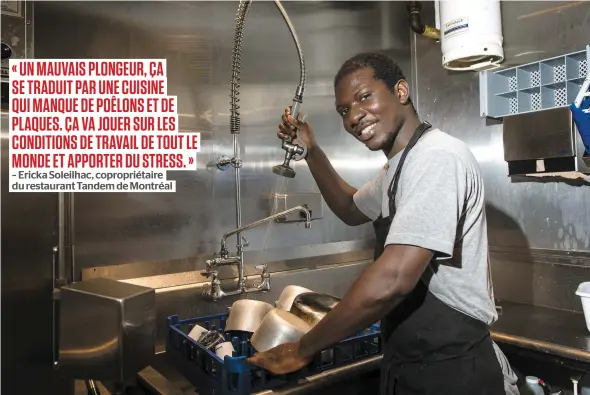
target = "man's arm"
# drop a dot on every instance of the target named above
(377, 291)
(424, 224)
(336, 192)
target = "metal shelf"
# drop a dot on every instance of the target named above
(550, 83)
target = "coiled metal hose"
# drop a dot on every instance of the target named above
(236, 61)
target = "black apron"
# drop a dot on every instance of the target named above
(431, 348)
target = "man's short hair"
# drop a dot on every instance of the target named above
(385, 69)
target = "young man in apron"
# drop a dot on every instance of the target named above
(430, 284)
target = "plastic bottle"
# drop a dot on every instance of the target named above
(531, 387)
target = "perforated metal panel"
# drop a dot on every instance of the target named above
(550, 83)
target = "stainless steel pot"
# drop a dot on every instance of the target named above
(311, 307)
(278, 327)
(288, 295)
(246, 315)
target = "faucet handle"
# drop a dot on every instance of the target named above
(245, 243)
(263, 267)
(210, 273)
(216, 255)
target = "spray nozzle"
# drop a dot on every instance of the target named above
(292, 151)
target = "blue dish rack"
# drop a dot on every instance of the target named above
(234, 376)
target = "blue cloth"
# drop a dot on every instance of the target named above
(582, 121)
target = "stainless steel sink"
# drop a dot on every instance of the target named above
(187, 301)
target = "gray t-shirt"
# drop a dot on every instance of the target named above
(440, 206)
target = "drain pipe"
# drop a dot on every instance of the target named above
(414, 8)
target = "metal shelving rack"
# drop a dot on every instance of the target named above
(550, 83)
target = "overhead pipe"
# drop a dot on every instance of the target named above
(414, 8)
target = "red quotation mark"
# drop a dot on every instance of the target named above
(14, 68)
(191, 160)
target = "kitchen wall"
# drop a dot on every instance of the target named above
(538, 228)
(164, 238)
(196, 39)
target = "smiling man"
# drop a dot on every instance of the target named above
(430, 284)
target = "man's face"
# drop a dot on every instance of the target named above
(369, 110)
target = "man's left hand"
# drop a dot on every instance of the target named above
(283, 359)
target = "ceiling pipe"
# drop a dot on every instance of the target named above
(414, 8)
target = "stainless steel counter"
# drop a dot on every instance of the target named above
(555, 333)
(548, 331)
(156, 383)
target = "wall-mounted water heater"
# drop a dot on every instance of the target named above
(471, 34)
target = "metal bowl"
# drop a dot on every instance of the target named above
(288, 295)
(247, 315)
(311, 307)
(278, 327)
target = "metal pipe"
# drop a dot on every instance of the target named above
(437, 14)
(414, 7)
(239, 245)
(265, 220)
(235, 123)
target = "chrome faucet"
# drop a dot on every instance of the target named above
(214, 292)
(224, 259)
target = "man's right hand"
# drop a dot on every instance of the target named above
(335, 191)
(289, 126)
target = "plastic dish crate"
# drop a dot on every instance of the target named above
(233, 375)
(550, 83)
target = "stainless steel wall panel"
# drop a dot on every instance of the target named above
(196, 39)
(525, 214)
(550, 213)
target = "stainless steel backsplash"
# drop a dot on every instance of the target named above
(196, 39)
(538, 229)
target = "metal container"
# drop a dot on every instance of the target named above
(107, 329)
(278, 327)
(288, 295)
(311, 307)
(247, 315)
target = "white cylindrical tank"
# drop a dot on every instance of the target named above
(471, 34)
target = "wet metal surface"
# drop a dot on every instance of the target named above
(550, 331)
(160, 381)
(557, 332)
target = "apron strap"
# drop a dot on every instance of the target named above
(391, 192)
